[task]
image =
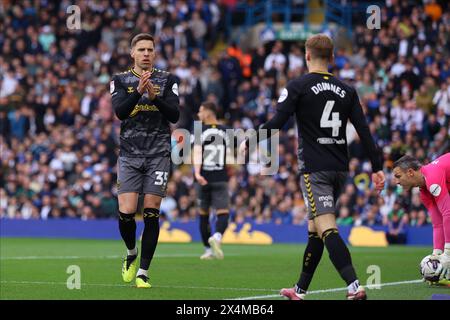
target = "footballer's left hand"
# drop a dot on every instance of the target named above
(445, 262)
(151, 90)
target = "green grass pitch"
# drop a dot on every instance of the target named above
(37, 269)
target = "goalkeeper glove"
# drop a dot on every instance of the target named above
(445, 262)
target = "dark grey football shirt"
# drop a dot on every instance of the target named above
(145, 129)
(322, 106)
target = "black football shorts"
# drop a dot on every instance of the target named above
(214, 194)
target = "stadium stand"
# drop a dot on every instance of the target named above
(59, 134)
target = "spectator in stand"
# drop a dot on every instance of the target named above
(396, 229)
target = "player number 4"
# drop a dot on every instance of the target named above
(334, 123)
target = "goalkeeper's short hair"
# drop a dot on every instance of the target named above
(408, 162)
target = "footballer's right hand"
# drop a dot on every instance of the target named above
(243, 149)
(378, 179)
(143, 82)
(434, 256)
(201, 179)
(445, 262)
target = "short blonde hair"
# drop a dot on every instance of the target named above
(320, 46)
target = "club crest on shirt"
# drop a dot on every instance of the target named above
(435, 189)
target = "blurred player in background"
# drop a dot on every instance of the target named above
(212, 179)
(434, 183)
(322, 105)
(146, 100)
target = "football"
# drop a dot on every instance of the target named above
(430, 269)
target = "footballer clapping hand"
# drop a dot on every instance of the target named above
(143, 82)
(151, 90)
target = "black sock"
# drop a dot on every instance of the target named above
(149, 237)
(311, 258)
(222, 223)
(205, 229)
(339, 255)
(127, 228)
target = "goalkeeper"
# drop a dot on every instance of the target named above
(434, 183)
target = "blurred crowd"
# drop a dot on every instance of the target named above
(59, 134)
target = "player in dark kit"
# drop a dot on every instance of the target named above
(146, 100)
(322, 106)
(210, 173)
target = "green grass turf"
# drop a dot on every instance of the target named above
(36, 269)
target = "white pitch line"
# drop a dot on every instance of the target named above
(130, 286)
(58, 257)
(332, 290)
(176, 255)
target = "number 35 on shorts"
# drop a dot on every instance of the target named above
(161, 178)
